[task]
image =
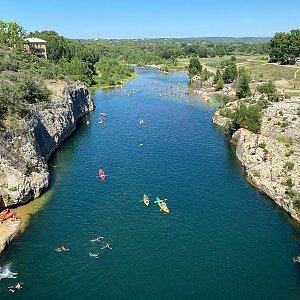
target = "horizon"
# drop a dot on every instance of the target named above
(170, 19)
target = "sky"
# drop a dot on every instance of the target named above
(154, 18)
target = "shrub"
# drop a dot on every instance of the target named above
(256, 174)
(247, 117)
(290, 165)
(289, 183)
(262, 145)
(289, 153)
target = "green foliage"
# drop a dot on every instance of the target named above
(287, 142)
(230, 72)
(247, 117)
(219, 85)
(12, 34)
(242, 88)
(111, 72)
(284, 47)
(256, 174)
(194, 67)
(77, 70)
(262, 145)
(270, 90)
(218, 76)
(289, 183)
(289, 153)
(290, 165)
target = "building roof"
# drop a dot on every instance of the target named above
(35, 40)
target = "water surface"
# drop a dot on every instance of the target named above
(221, 240)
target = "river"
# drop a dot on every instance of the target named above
(222, 239)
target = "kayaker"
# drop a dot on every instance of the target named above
(98, 239)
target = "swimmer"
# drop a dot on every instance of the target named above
(18, 286)
(107, 246)
(62, 249)
(96, 255)
(98, 239)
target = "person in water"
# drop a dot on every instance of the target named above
(18, 286)
(62, 249)
(96, 255)
(107, 246)
(98, 239)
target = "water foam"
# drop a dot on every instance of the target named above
(5, 272)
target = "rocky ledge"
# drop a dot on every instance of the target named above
(27, 144)
(271, 159)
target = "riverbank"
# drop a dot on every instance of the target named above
(27, 145)
(271, 159)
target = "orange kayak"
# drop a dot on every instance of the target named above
(7, 216)
(4, 212)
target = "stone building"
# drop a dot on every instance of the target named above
(37, 47)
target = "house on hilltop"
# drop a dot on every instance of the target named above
(37, 47)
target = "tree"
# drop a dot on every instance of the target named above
(195, 67)
(230, 72)
(243, 89)
(12, 34)
(218, 76)
(220, 84)
(247, 117)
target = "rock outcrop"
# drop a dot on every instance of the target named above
(28, 143)
(271, 158)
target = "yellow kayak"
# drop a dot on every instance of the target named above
(146, 200)
(162, 204)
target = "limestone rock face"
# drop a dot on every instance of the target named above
(271, 158)
(26, 146)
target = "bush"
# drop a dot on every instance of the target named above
(270, 90)
(289, 183)
(219, 85)
(247, 117)
(290, 165)
(262, 145)
(289, 153)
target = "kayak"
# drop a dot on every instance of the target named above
(4, 212)
(103, 115)
(101, 175)
(146, 200)
(162, 204)
(7, 216)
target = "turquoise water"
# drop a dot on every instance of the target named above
(221, 240)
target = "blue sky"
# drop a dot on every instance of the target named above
(154, 18)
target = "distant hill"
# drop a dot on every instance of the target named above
(187, 40)
(229, 39)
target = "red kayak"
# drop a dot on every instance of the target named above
(101, 175)
(4, 212)
(7, 216)
(103, 115)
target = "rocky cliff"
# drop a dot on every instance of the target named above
(27, 143)
(271, 158)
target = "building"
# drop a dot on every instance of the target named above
(37, 47)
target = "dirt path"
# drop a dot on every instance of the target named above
(295, 75)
